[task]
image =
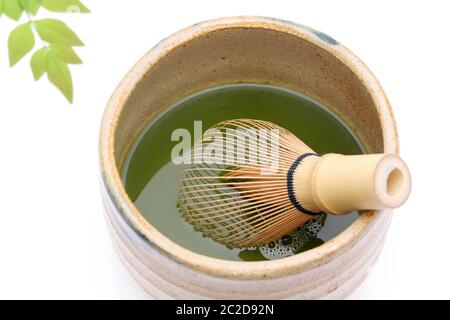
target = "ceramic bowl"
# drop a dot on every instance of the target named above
(243, 50)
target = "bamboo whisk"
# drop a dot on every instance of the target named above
(272, 183)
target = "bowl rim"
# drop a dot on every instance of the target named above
(214, 266)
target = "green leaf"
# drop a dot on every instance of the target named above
(57, 32)
(31, 6)
(39, 63)
(12, 9)
(66, 53)
(59, 74)
(20, 42)
(65, 6)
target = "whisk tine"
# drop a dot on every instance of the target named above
(235, 203)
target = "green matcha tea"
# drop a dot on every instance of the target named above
(151, 178)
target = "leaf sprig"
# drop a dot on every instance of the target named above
(57, 40)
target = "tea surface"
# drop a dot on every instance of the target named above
(150, 177)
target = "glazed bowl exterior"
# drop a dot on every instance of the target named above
(243, 50)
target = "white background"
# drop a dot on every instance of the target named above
(53, 239)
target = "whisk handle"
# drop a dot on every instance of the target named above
(341, 184)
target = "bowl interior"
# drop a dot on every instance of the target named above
(249, 55)
(242, 51)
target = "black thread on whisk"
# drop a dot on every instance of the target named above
(290, 185)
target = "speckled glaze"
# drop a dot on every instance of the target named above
(243, 50)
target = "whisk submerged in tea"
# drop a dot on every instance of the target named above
(250, 182)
